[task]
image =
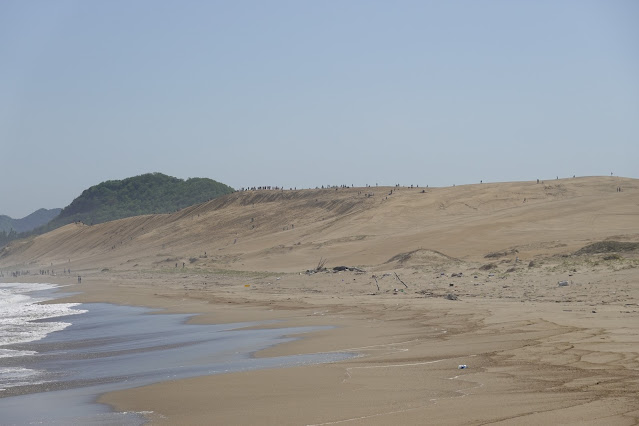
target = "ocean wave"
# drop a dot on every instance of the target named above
(22, 315)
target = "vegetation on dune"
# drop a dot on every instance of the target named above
(504, 253)
(149, 193)
(488, 267)
(607, 247)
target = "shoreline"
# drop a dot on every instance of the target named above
(530, 362)
(107, 356)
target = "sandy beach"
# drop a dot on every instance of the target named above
(488, 276)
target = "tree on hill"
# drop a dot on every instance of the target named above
(149, 193)
(145, 194)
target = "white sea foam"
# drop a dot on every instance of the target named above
(20, 311)
(18, 376)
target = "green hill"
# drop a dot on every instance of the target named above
(116, 199)
(27, 223)
(145, 194)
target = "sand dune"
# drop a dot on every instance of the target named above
(459, 275)
(290, 231)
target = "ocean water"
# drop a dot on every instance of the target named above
(21, 318)
(57, 358)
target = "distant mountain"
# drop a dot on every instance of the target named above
(116, 199)
(34, 220)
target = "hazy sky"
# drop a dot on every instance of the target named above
(305, 93)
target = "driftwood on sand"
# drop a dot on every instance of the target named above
(400, 280)
(347, 268)
(320, 268)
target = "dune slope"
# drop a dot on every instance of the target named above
(290, 231)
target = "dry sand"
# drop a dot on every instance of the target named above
(537, 352)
